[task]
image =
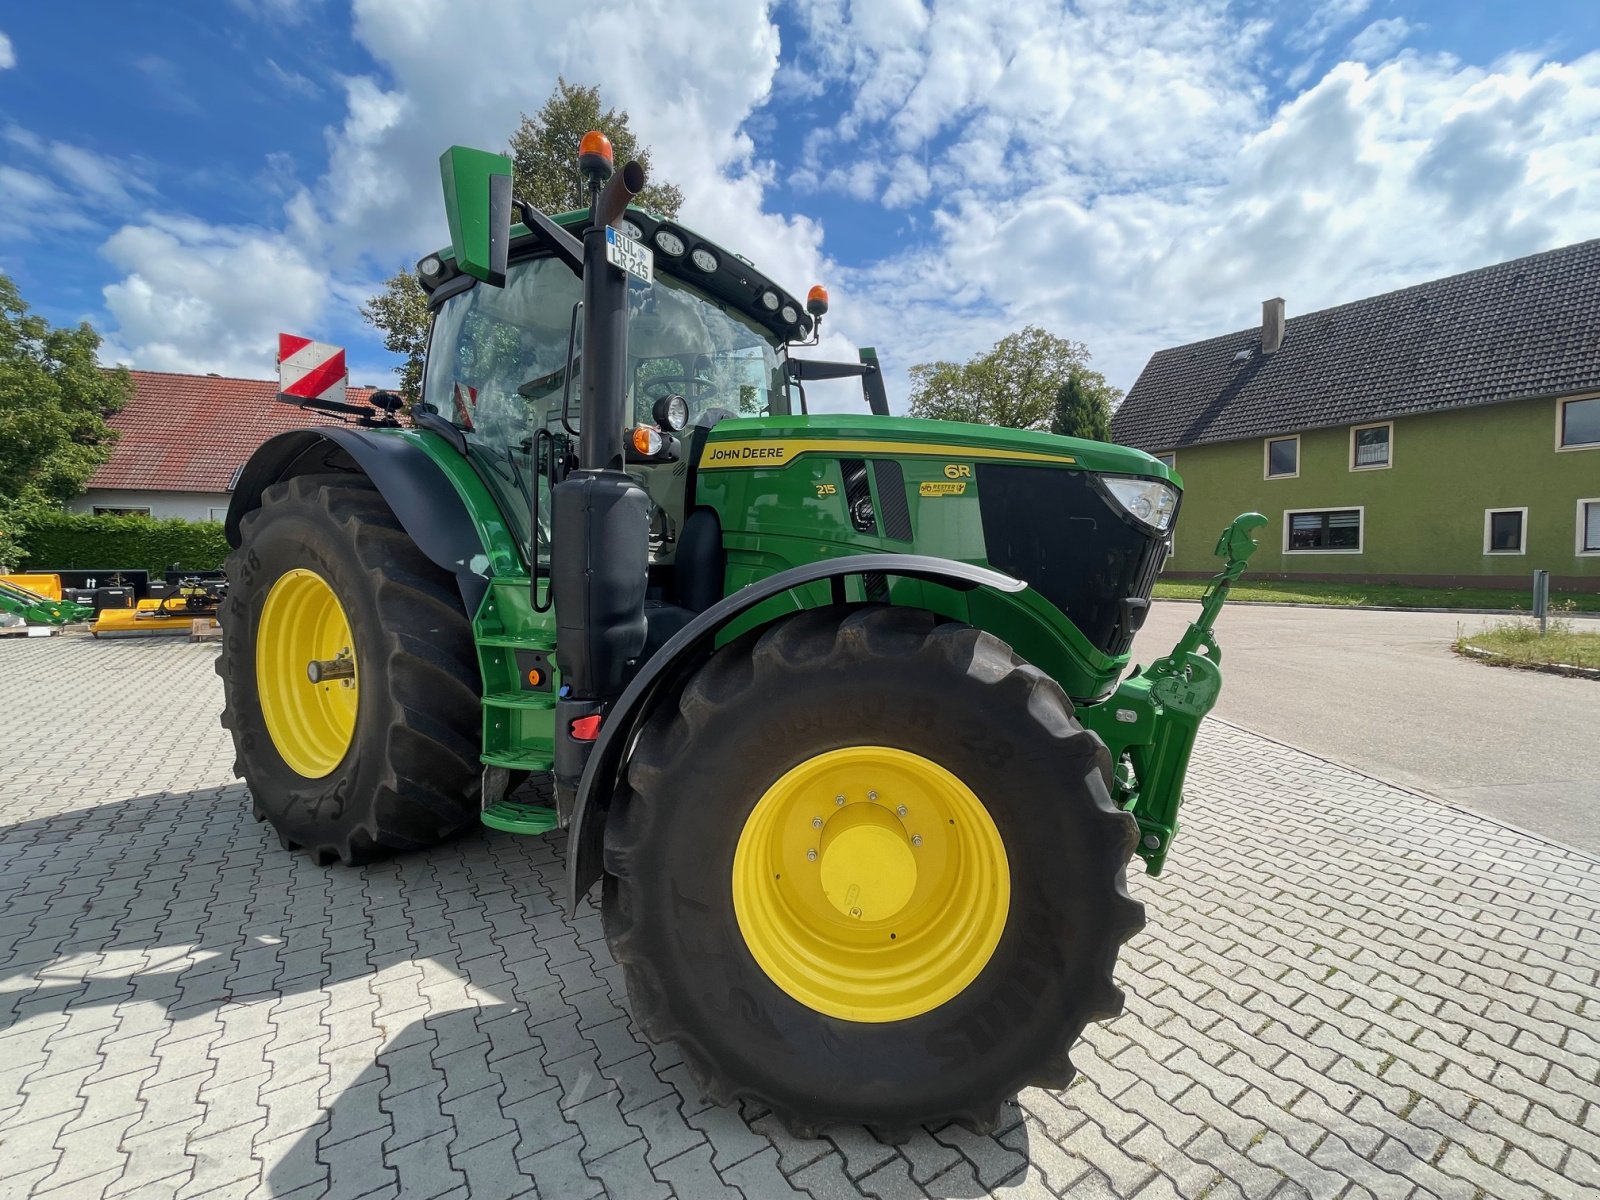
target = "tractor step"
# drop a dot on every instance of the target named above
(520, 699)
(519, 760)
(513, 817)
(529, 642)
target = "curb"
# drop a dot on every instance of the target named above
(1410, 790)
(1466, 612)
(1571, 670)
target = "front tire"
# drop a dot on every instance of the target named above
(384, 756)
(882, 983)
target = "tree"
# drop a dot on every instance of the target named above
(544, 149)
(1013, 384)
(545, 152)
(54, 401)
(401, 312)
(1083, 406)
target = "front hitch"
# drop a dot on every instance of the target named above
(1150, 722)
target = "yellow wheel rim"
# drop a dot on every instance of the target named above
(302, 623)
(879, 907)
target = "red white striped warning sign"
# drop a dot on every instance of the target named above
(309, 370)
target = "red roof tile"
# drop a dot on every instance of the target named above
(191, 433)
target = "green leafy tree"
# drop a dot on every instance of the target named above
(54, 400)
(544, 149)
(400, 311)
(1083, 406)
(1013, 384)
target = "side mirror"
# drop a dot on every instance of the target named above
(477, 203)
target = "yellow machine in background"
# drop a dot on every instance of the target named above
(175, 612)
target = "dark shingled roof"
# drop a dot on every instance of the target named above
(1529, 327)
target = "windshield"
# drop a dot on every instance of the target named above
(497, 367)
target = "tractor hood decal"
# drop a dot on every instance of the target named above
(780, 452)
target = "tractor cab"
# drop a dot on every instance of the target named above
(504, 367)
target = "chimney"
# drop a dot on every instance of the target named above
(1271, 325)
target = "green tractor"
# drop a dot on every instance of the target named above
(832, 707)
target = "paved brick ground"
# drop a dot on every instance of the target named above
(1345, 990)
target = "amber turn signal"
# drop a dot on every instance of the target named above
(648, 441)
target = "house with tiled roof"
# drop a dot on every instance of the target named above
(182, 440)
(1447, 433)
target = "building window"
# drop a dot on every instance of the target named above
(121, 510)
(1323, 531)
(1369, 446)
(217, 514)
(1169, 460)
(1283, 457)
(1589, 526)
(1578, 424)
(1505, 531)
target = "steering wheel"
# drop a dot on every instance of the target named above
(694, 387)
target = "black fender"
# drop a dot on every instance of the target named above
(685, 651)
(421, 495)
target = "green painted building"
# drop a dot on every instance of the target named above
(1447, 433)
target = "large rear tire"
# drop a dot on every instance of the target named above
(812, 946)
(354, 767)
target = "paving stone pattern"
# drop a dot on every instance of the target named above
(1344, 990)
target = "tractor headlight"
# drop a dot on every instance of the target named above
(1148, 501)
(671, 412)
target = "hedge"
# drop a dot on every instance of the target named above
(78, 541)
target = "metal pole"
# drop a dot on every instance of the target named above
(1541, 599)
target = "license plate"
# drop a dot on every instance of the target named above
(622, 251)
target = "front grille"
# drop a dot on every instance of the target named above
(1059, 533)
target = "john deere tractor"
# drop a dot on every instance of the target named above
(831, 707)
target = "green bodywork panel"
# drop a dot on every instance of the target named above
(782, 503)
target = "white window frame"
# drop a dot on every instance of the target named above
(120, 510)
(213, 508)
(1561, 417)
(1488, 524)
(1168, 459)
(1577, 540)
(1361, 526)
(1355, 429)
(1266, 459)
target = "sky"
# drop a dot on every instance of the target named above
(192, 179)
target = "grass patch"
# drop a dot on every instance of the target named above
(1518, 644)
(1380, 595)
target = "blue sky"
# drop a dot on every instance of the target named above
(192, 178)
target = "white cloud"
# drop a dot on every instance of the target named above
(292, 81)
(1327, 17)
(1371, 179)
(8, 56)
(63, 184)
(199, 297)
(1380, 39)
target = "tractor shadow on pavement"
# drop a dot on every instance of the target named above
(427, 1023)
